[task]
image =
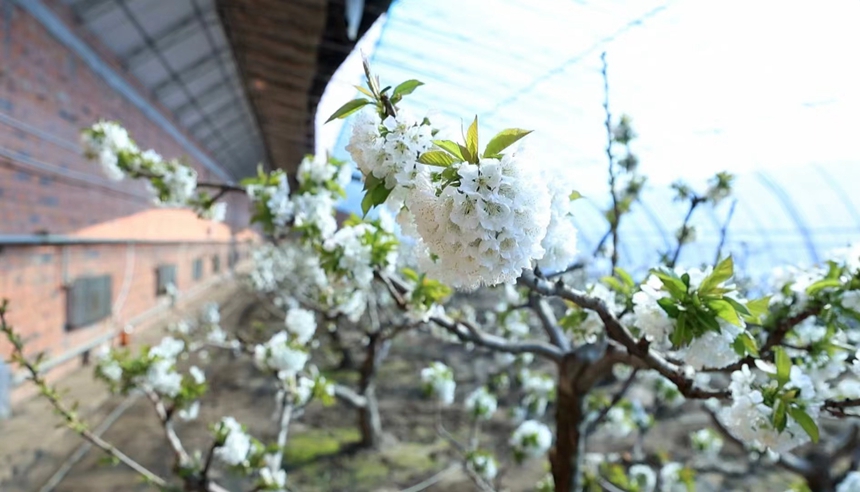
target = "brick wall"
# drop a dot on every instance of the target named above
(35, 279)
(47, 95)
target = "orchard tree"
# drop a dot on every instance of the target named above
(774, 366)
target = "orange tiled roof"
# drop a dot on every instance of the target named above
(160, 225)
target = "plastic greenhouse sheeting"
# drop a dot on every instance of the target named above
(765, 90)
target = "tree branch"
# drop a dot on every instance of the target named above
(616, 331)
(774, 339)
(72, 421)
(615, 399)
(837, 408)
(549, 323)
(349, 396)
(616, 210)
(724, 231)
(684, 231)
(166, 418)
(283, 432)
(468, 332)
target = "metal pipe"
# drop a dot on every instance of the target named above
(55, 239)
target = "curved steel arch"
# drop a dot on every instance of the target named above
(595, 207)
(582, 235)
(652, 217)
(792, 212)
(840, 192)
(759, 228)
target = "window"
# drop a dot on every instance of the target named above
(197, 269)
(216, 263)
(164, 276)
(88, 300)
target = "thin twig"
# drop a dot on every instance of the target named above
(724, 230)
(683, 233)
(468, 332)
(283, 432)
(616, 216)
(549, 323)
(166, 418)
(615, 400)
(72, 421)
(425, 484)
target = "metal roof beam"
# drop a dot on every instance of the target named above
(164, 39)
(90, 9)
(161, 58)
(216, 114)
(228, 126)
(193, 70)
(214, 92)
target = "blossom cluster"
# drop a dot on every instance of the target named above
(771, 411)
(387, 151)
(171, 182)
(531, 439)
(439, 382)
(482, 219)
(285, 353)
(481, 404)
(155, 370)
(712, 348)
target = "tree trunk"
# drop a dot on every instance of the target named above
(369, 421)
(820, 479)
(567, 456)
(346, 361)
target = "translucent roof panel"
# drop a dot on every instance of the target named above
(178, 51)
(766, 90)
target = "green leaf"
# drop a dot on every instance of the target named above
(668, 305)
(805, 421)
(371, 182)
(779, 416)
(436, 158)
(624, 276)
(783, 365)
(759, 307)
(451, 147)
(505, 139)
(749, 343)
(407, 87)
(722, 272)
(467, 155)
(672, 284)
(739, 307)
(410, 274)
(366, 203)
(574, 195)
(348, 108)
(823, 284)
(681, 335)
(364, 91)
(472, 140)
(613, 283)
(725, 311)
(374, 197)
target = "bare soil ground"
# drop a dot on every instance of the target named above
(321, 453)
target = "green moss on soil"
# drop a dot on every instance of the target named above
(316, 444)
